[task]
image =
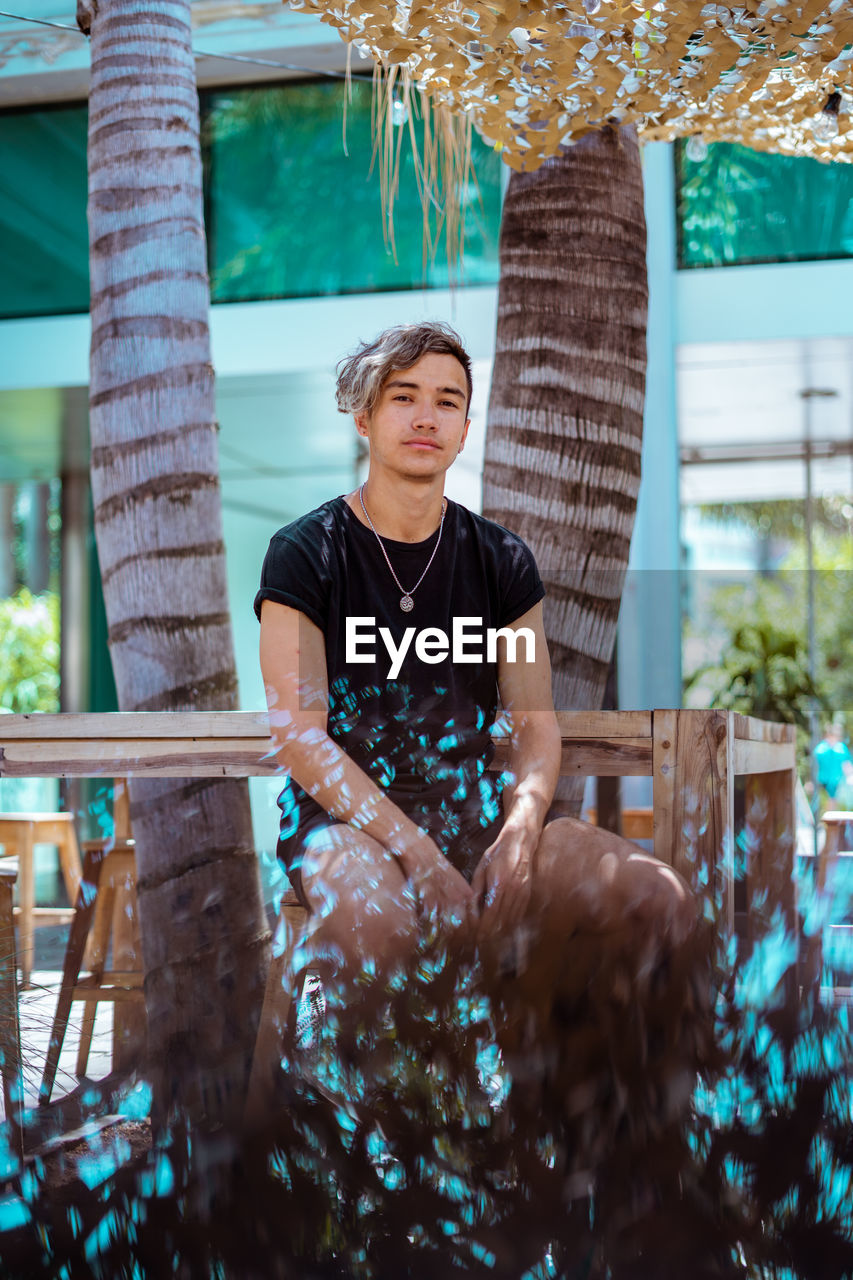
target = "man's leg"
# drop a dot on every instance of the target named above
(589, 882)
(363, 913)
(603, 991)
(592, 879)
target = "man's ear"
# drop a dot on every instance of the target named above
(464, 437)
(360, 420)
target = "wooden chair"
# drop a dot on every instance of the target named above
(10, 1030)
(837, 823)
(637, 824)
(19, 834)
(278, 1012)
(106, 913)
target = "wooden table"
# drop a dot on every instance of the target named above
(692, 757)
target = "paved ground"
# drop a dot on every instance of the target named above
(36, 1008)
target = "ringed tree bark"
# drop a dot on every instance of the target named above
(159, 534)
(565, 418)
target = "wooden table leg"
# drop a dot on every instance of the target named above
(771, 838)
(130, 1023)
(96, 958)
(27, 900)
(10, 1031)
(693, 782)
(279, 995)
(771, 825)
(69, 862)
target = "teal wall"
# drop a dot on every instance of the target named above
(757, 303)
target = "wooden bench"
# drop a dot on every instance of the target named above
(635, 824)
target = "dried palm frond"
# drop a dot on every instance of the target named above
(441, 150)
(535, 77)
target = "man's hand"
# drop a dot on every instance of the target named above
(439, 887)
(503, 880)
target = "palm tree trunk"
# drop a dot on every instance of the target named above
(565, 421)
(159, 533)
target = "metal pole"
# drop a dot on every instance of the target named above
(814, 731)
(809, 394)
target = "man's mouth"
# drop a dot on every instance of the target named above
(420, 444)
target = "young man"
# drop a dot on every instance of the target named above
(391, 621)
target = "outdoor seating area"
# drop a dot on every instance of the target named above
(411, 370)
(692, 757)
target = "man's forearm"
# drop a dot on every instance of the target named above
(535, 766)
(344, 790)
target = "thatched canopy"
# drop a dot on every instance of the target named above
(535, 77)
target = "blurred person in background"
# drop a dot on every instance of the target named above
(831, 756)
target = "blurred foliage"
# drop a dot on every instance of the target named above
(764, 673)
(737, 620)
(783, 518)
(29, 652)
(737, 205)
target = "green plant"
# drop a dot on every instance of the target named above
(29, 652)
(774, 599)
(763, 672)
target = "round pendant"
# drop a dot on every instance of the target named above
(407, 604)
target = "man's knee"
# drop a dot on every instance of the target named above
(363, 916)
(352, 883)
(602, 881)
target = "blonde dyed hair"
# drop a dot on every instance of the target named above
(362, 374)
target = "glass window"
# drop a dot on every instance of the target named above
(44, 246)
(292, 213)
(767, 528)
(292, 208)
(739, 206)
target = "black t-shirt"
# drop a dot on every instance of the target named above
(421, 727)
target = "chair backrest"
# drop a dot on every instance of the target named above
(121, 810)
(839, 838)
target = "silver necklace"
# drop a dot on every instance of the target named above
(406, 601)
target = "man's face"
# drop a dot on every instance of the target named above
(419, 422)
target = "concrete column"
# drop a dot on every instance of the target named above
(649, 643)
(7, 537)
(75, 577)
(37, 538)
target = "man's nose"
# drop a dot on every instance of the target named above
(425, 419)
